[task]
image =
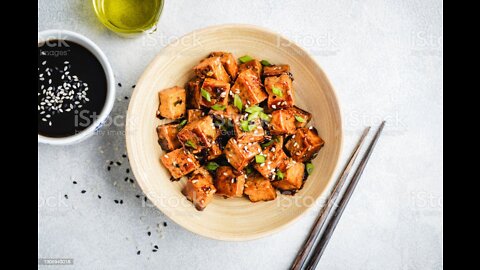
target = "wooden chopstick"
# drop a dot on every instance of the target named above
(327, 207)
(337, 213)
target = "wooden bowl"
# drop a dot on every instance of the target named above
(230, 219)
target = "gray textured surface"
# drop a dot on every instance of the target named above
(384, 58)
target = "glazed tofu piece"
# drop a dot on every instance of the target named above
(247, 86)
(198, 134)
(276, 70)
(199, 189)
(172, 103)
(230, 113)
(292, 176)
(240, 154)
(214, 152)
(274, 158)
(282, 122)
(304, 144)
(211, 68)
(301, 117)
(280, 92)
(193, 93)
(180, 162)
(253, 65)
(259, 188)
(218, 92)
(229, 63)
(167, 137)
(228, 182)
(253, 133)
(194, 114)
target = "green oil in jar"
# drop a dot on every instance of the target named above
(129, 16)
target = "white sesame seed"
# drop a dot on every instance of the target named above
(44, 62)
(44, 120)
(66, 62)
(274, 107)
(50, 123)
(65, 68)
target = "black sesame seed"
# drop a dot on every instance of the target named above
(121, 201)
(138, 196)
(74, 182)
(145, 199)
(119, 84)
(124, 155)
(66, 196)
(133, 86)
(138, 252)
(126, 97)
(111, 162)
(116, 201)
(127, 170)
(164, 224)
(132, 181)
(108, 168)
(149, 233)
(154, 250)
(126, 179)
(83, 191)
(119, 163)
(156, 247)
(99, 196)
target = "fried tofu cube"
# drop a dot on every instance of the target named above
(228, 182)
(247, 86)
(211, 68)
(253, 65)
(194, 114)
(282, 122)
(274, 158)
(167, 137)
(193, 93)
(218, 92)
(199, 189)
(304, 144)
(180, 162)
(198, 134)
(259, 188)
(276, 70)
(229, 63)
(292, 176)
(214, 151)
(240, 154)
(172, 103)
(255, 134)
(302, 117)
(230, 112)
(280, 92)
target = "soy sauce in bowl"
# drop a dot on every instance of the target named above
(72, 88)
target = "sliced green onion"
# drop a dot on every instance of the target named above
(267, 144)
(264, 117)
(219, 107)
(244, 125)
(205, 94)
(181, 124)
(265, 63)
(245, 58)
(212, 166)
(253, 109)
(252, 116)
(277, 91)
(260, 159)
(309, 168)
(190, 144)
(237, 102)
(280, 175)
(299, 119)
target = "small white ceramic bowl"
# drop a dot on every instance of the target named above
(107, 108)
